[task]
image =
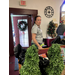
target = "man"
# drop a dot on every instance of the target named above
(61, 28)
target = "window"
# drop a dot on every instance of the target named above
(63, 8)
(23, 35)
(62, 11)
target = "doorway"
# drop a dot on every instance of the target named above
(15, 35)
(20, 37)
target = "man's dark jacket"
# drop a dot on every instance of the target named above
(60, 29)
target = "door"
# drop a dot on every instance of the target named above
(22, 37)
(18, 11)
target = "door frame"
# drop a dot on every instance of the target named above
(19, 11)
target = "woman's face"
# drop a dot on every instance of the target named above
(38, 21)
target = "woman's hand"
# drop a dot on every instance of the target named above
(40, 47)
(35, 41)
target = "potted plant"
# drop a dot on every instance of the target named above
(56, 65)
(31, 63)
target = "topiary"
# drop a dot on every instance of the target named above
(31, 63)
(56, 65)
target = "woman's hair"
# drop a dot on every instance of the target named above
(36, 18)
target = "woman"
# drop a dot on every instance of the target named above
(37, 37)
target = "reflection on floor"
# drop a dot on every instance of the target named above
(11, 66)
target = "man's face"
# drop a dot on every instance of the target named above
(38, 21)
(63, 21)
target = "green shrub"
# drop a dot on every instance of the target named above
(56, 65)
(31, 63)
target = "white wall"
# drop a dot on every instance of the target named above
(40, 5)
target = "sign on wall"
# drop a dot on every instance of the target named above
(23, 3)
(49, 11)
